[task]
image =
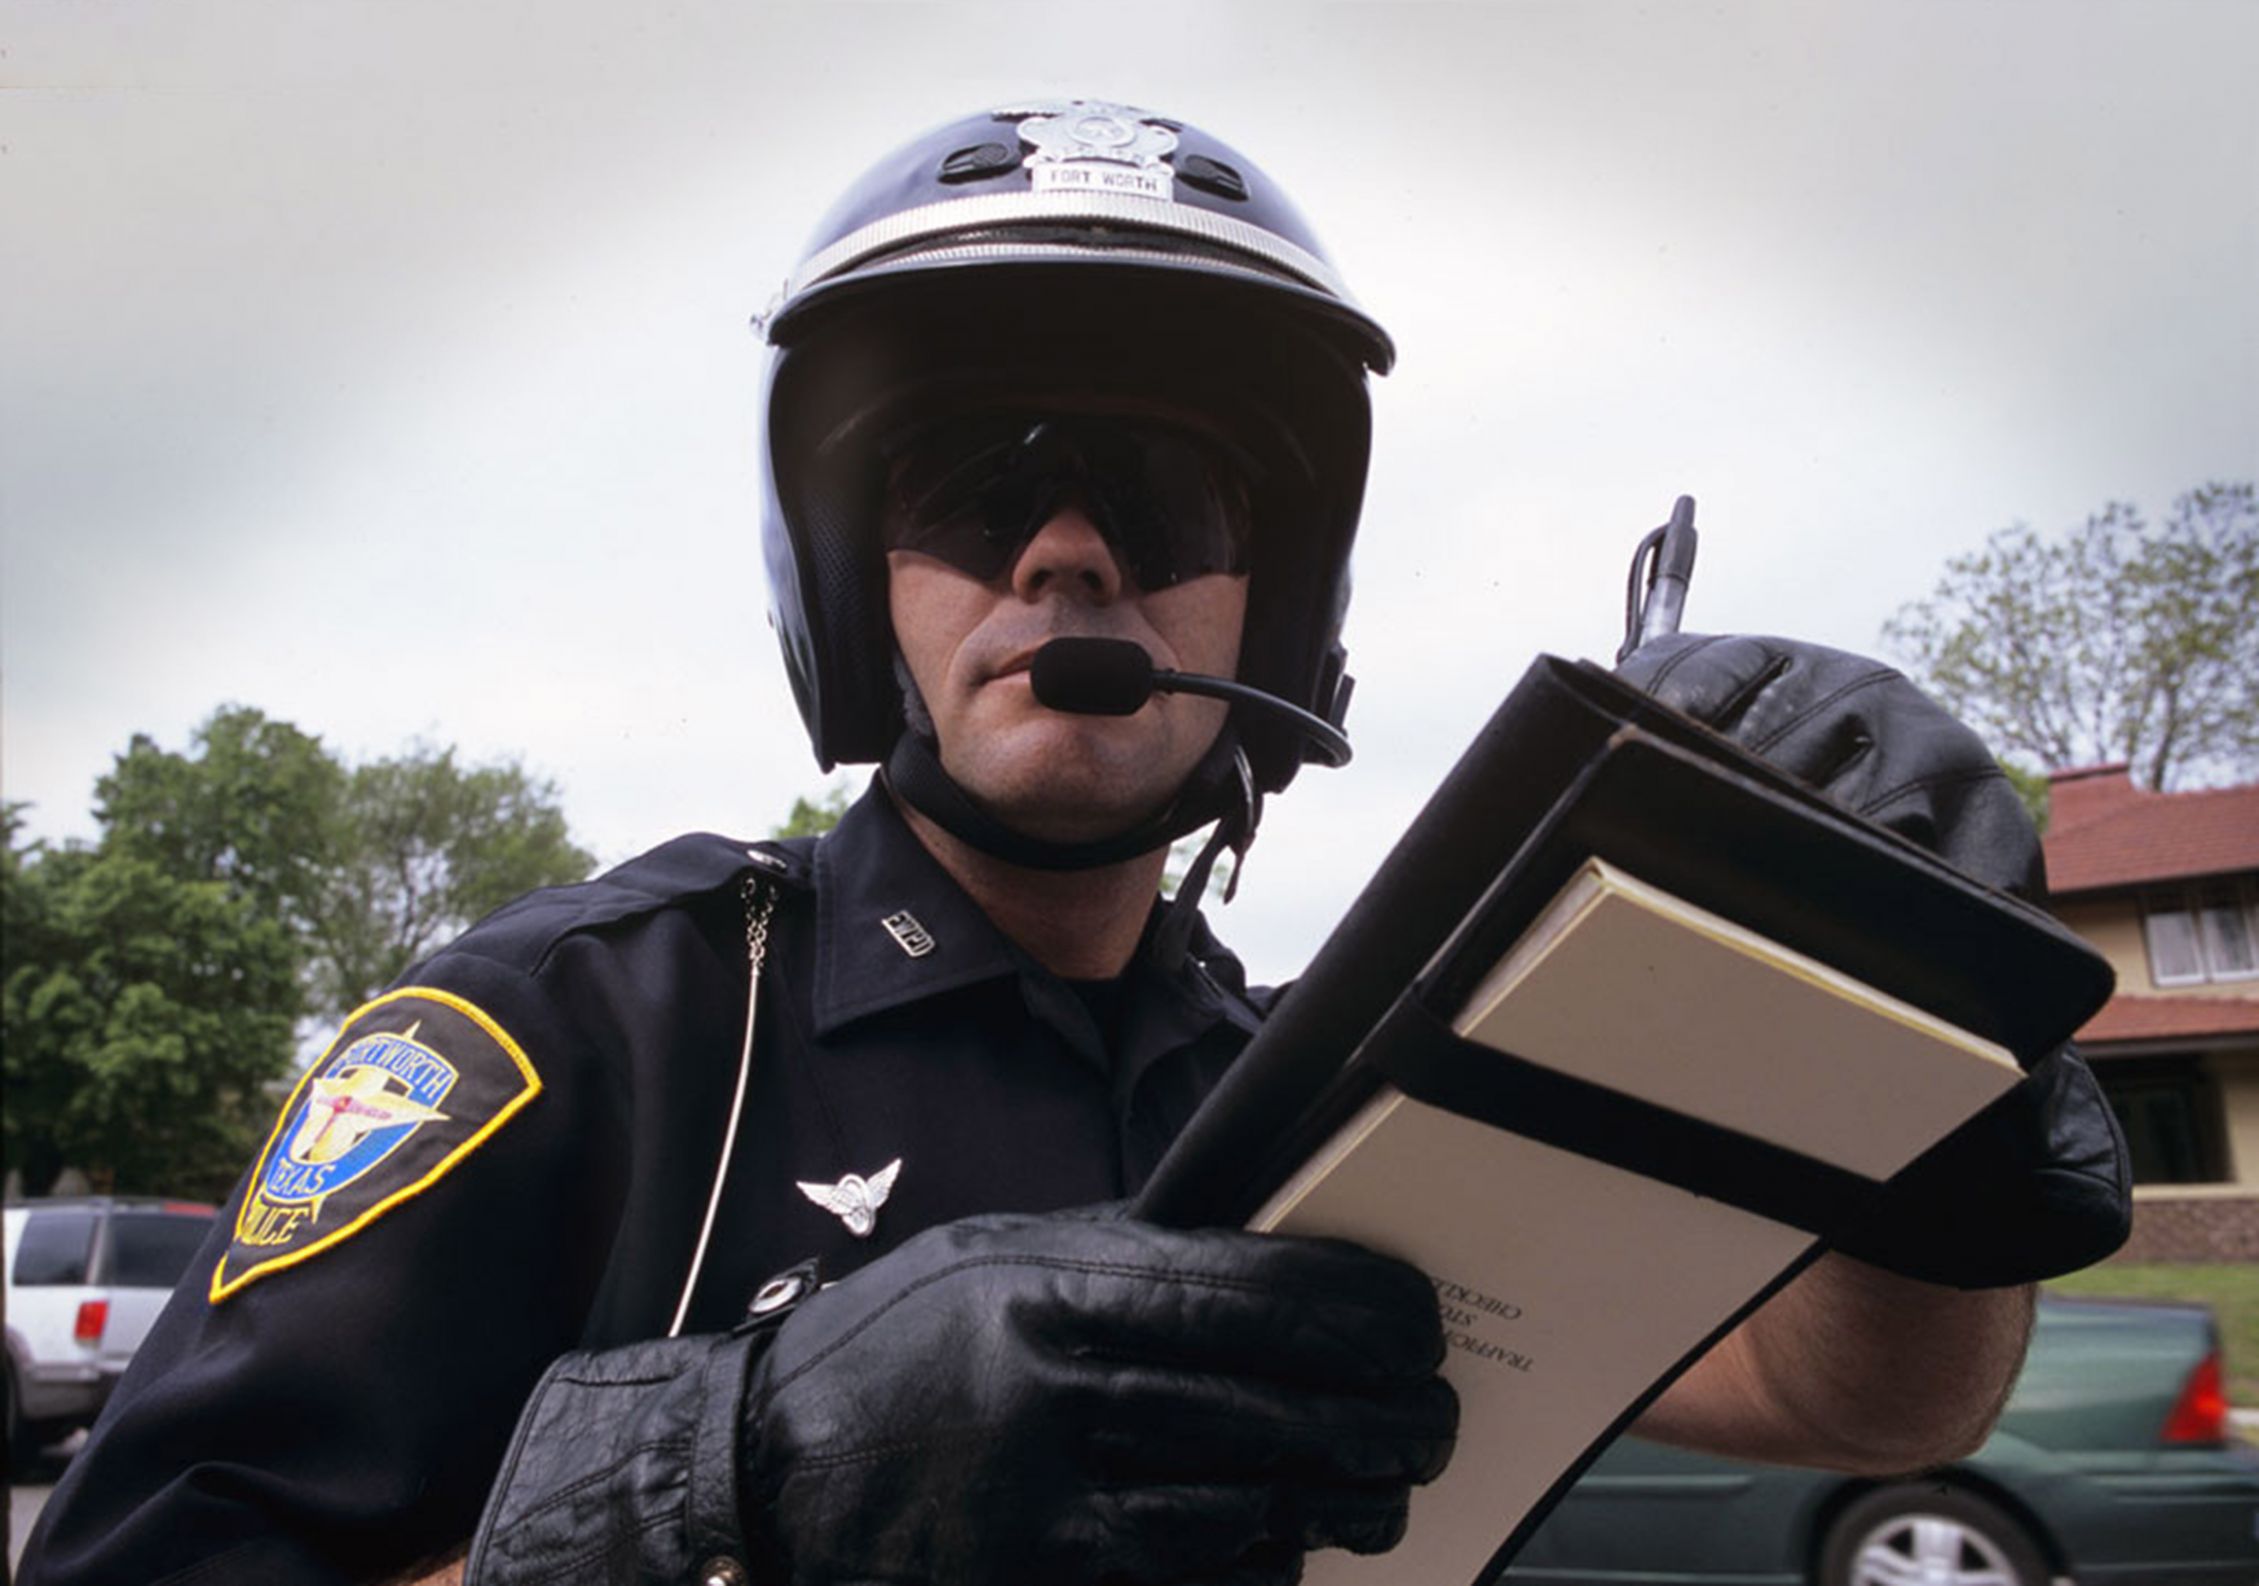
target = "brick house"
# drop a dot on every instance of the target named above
(2166, 885)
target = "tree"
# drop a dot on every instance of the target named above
(369, 867)
(254, 804)
(2124, 640)
(2031, 787)
(812, 817)
(144, 1018)
(152, 981)
(424, 848)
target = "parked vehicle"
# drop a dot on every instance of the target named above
(2113, 1462)
(86, 1278)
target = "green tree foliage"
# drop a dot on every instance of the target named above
(2031, 787)
(2123, 640)
(153, 979)
(369, 867)
(143, 1015)
(811, 817)
(424, 848)
(253, 805)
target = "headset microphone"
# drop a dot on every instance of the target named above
(1115, 677)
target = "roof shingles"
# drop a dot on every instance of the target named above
(2172, 1018)
(2115, 835)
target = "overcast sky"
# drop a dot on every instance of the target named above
(385, 365)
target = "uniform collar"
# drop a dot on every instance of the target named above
(894, 928)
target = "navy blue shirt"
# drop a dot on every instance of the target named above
(512, 1155)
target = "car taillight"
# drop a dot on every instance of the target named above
(93, 1316)
(2200, 1414)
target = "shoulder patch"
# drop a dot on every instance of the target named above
(415, 1082)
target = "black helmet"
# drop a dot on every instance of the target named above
(1063, 253)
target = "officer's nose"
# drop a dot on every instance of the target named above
(1068, 556)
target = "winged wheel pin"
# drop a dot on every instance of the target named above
(855, 1200)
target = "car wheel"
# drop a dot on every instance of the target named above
(1915, 1535)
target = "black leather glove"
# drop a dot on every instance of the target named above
(2037, 1184)
(1069, 1398)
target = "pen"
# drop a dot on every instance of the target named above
(1667, 554)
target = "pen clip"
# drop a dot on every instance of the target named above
(1665, 557)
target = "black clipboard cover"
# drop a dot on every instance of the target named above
(1574, 764)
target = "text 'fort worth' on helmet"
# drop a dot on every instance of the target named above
(1085, 256)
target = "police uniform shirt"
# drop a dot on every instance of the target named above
(511, 1155)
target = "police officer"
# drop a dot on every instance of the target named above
(740, 1215)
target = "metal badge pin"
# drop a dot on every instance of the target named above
(855, 1200)
(1090, 146)
(912, 937)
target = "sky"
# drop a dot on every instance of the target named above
(386, 365)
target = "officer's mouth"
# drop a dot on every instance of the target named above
(1017, 662)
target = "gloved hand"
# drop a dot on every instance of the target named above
(1069, 1398)
(2037, 1184)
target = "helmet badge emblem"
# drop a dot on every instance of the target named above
(1090, 146)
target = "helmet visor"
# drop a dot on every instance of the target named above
(972, 491)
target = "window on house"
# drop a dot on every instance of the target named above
(2173, 1116)
(2228, 934)
(2202, 933)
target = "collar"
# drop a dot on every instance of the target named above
(894, 928)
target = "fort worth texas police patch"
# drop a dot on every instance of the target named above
(415, 1082)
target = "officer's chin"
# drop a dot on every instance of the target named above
(1059, 792)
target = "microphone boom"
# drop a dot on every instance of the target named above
(1090, 676)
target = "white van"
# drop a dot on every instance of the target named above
(86, 1277)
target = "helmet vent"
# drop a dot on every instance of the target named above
(978, 162)
(1212, 176)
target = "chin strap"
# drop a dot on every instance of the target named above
(1221, 788)
(1234, 830)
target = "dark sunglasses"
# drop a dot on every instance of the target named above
(973, 491)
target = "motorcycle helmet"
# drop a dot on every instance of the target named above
(1068, 255)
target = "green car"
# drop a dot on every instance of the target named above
(2113, 1463)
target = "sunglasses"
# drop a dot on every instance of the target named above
(973, 491)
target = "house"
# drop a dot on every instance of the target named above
(2166, 885)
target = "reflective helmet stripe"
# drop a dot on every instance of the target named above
(985, 210)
